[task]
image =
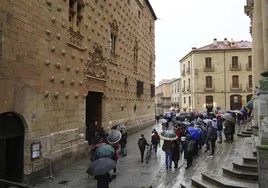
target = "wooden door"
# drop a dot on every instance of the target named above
(235, 102)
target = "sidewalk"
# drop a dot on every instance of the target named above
(131, 173)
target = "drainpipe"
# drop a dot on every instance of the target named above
(224, 78)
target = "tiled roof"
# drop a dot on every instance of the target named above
(229, 46)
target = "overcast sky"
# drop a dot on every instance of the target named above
(184, 24)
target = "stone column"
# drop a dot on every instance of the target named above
(257, 35)
(262, 145)
(265, 31)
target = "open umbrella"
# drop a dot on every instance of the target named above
(178, 123)
(101, 166)
(162, 121)
(228, 117)
(194, 133)
(121, 128)
(114, 136)
(214, 124)
(180, 118)
(238, 112)
(105, 151)
(168, 135)
(186, 123)
(211, 113)
(196, 122)
(250, 104)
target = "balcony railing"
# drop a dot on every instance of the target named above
(188, 70)
(208, 69)
(235, 88)
(183, 73)
(235, 68)
(210, 88)
(249, 88)
(249, 67)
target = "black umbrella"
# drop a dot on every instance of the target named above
(178, 123)
(180, 118)
(101, 166)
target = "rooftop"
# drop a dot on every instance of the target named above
(222, 45)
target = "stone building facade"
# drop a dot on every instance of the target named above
(257, 10)
(163, 97)
(176, 94)
(68, 68)
(219, 74)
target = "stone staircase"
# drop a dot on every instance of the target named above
(236, 168)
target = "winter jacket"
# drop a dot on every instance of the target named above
(155, 138)
(167, 146)
(103, 180)
(142, 142)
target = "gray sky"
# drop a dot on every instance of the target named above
(184, 24)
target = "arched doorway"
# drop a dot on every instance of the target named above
(11, 147)
(249, 97)
(235, 102)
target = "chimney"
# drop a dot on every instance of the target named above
(225, 41)
(193, 48)
(215, 42)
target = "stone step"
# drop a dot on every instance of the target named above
(248, 159)
(243, 135)
(199, 182)
(221, 182)
(247, 132)
(187, 185)
(239, 164)
(240, 173)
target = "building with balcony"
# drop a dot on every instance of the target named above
(218, 74)
(70, 68)
(163, 93)
(175, 94)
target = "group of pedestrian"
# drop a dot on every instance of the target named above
(119, 147)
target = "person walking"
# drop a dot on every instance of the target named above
(142, 143)
(103, 181)
(123, 143)
(189, 150)
(115, 158)
(155, 140)
(219, 130)
(168, 148)
(211, 138)
(176, 153)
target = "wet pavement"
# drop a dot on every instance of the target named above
(131, 173)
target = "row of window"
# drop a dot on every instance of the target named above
(235, 82)
(176, 88)
(208, 63)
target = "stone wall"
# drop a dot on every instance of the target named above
(47, 69)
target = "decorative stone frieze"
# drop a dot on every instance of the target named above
(96, 65)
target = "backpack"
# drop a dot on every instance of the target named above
(141, 142)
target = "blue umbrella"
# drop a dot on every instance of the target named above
(194, 133)
(105, 151)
